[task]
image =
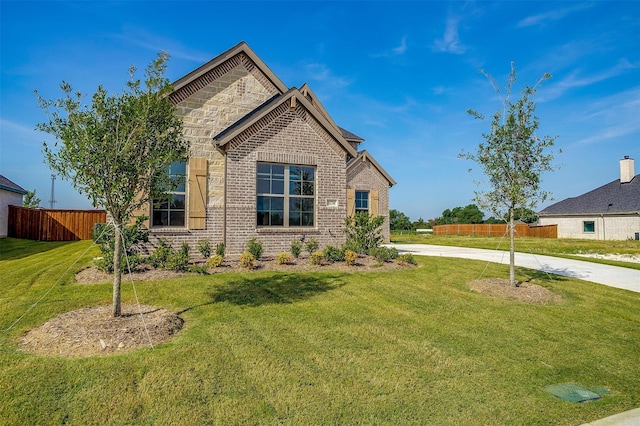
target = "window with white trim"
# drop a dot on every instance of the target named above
(285, 195)
(169, 210)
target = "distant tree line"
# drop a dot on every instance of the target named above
(471, 213)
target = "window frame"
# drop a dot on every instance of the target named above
(179, 191)
(298, 195)
(356, 200)
(589, 222)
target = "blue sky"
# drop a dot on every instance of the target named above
(399, 74)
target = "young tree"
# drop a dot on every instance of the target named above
(30, 199)
(118, 148)
(512, 157)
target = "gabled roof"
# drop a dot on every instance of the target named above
(313, 99)
(293, 97)
(351, 137)
(8, 185)
(240, 48)
(612, 198)
(365, 156)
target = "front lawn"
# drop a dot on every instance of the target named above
(390, 347)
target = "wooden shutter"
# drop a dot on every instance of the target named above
(351, 202)
(143, 210)
(197, 193)
(373, 209)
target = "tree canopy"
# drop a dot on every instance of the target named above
(513, 156)
(399, 221)
(116, 149)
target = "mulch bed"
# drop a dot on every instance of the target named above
(525, 292)
(94, 331)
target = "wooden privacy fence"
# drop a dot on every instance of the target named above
(497, 230)
(53, 225)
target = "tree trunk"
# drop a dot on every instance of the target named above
(512, 249)
(117, 274)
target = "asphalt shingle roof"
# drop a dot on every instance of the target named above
(7, 185)
(613, 197)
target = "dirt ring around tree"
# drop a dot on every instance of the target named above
(525, 292)
(89, 332)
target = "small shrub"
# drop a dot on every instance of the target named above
(363, 232)
(283, 258)
(384, 254)
(316, 258)
(214, 261)
(333, 254)
(247, 260)
(350, 257)
(296, 248)
(104, 235)
(178, 261)
(311, 245)
(160, 255)
(406, 259)
(204, 248)
(255, 248)
(220, 248)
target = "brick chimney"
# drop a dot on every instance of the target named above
(626, 169)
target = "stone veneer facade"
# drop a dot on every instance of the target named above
(233, 90)
(220, 97)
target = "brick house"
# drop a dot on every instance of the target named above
(265, 161)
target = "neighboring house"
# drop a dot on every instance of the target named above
(265, 161)
(611, 212)
(10, 195)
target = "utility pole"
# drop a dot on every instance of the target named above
(52, 200)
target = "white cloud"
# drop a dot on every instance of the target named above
(402, 48)
(450, 42)
(575, 80)
(552, 15)
(399, 50)
(608, 118)
(155, 43)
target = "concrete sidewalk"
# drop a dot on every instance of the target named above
(612, 276)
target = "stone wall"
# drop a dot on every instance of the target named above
(206, 112)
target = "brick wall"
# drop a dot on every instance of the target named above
(364, 176)
(288, 137)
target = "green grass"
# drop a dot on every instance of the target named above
(408, 347)
(564, 247)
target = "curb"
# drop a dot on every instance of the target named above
(628, 418)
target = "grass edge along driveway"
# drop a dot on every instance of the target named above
(409, 347)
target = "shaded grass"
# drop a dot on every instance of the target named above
(564, 247)
(402, 347)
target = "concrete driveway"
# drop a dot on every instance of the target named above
(613, 276)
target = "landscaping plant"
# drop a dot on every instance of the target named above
(311, 245)
(296, 248)
(204, 247)
(363, 232)
(255, 248)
